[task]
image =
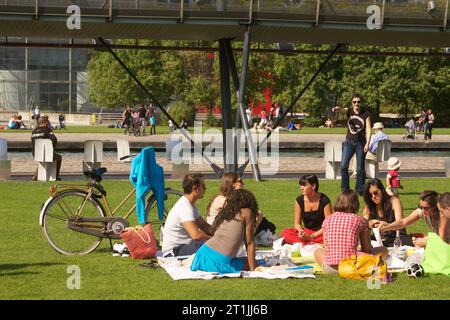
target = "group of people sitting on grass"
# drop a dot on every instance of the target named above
(233, 219)
(15, 123)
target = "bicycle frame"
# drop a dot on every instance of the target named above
(91, 189)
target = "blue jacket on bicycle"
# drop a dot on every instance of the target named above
(146, 174)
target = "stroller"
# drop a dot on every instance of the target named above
(411, 130)
(135, 126)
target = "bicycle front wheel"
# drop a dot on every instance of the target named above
(171, 196)
(55, 219)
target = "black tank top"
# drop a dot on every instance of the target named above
(313, 219)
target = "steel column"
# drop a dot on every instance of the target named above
(241, 119)
(225, 95)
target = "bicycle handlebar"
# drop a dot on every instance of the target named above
(128, 156)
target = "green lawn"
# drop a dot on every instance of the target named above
(30, 269)
(165, 130)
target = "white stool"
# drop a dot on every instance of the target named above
(5, 164)
(383, 154)
(43, 155)
(333, 159)
(447, 168)
(93, 153)
(123, 149)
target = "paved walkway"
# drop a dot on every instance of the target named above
(285, 164)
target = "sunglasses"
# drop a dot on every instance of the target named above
(425, 208)
(356, 102)
(374, 194)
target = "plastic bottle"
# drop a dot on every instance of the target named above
(397, 244)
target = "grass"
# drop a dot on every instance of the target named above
(165, 130)
(31, 269)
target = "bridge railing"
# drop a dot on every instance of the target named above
(393, 12)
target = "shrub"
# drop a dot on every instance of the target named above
(180, 110)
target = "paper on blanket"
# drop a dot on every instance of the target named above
(259, 274)
(376, 233)
(308, 250)
(395, 263)
(178, 272)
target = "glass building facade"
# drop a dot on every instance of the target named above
(55, 79)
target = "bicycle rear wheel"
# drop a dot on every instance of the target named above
(55, 217)
(171, 196)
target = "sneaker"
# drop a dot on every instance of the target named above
(117, 250)
(125, 252)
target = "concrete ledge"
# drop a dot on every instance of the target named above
(24, 145)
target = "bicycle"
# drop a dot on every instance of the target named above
(76, 218)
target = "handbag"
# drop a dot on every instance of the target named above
(362, 267)
(140, 241)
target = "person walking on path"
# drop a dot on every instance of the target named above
(152, 125)
(429, 127)
(357, 142)
(423, 122)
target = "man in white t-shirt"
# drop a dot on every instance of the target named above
(185, 230)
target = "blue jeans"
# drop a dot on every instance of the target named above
(348, 150)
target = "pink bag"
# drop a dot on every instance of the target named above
(140, 241)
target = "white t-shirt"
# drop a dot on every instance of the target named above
(216, 205)
(174, 233)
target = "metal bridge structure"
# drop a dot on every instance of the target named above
(401, 23)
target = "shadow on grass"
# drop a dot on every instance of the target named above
(15, 266)
(18, 273)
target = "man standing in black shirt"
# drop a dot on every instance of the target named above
(357, 142)
(44, 132)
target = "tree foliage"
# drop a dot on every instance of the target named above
(391, 84)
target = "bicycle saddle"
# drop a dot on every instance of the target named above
(95, 174)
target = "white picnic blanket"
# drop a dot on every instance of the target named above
(176, 271)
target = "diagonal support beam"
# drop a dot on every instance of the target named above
(218, 171)
(301, 93)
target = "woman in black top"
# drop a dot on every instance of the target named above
(382, 207)
(356, 142)
(310, 209)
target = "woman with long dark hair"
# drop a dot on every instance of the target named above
(428, 211)
(382, 207)
(235, 224)
(310, 210)
(229, 182)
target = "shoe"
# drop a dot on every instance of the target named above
(125, 252)
(117, 250)
(152, 264)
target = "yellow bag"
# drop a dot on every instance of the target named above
(362, 267)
